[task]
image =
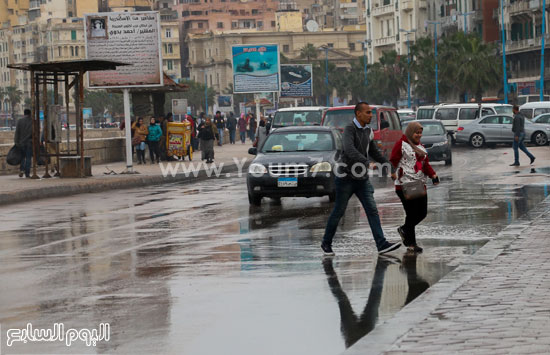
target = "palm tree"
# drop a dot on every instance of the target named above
(14, 97)
(388, 77)
(470, 64)
(309, 52)
(423, 69)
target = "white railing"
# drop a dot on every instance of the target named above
(383, 10)
(384, 41)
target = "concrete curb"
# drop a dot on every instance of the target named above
(385, 335)
(115, 183)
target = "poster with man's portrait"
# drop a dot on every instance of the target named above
(97, 27)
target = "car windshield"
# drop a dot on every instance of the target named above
(432, 129)
(297, 118)
(340, 118)
(298, 142)
(503, 109)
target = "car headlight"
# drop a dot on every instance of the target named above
(321, 167)
(440, 144)
(257, 169)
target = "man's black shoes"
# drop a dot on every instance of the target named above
(327, 249)
(387, 247)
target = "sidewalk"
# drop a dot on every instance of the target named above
(14, 189)
(495, 303)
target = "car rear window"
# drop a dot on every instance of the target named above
(425, 113)
(341, 118)
(539, 111)
(433, 129)
(296, 118)
(298, 141)
(503, 109)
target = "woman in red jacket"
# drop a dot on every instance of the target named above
(410, 159)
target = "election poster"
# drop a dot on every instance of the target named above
(296, 80)
(128, 37)
(256, 68)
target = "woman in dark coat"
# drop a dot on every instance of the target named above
(207, 134)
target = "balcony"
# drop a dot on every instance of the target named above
(407, 5)
(525, 45)
(518, 8)
(422, 4)
(383, 10)
(385, 41)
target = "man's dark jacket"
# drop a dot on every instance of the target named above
(518, 125)
(23, 133)
(219, 122)
(359, 146)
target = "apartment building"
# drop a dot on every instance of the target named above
(523, 33)
(13, 12)
(211, 53)
(385, 18)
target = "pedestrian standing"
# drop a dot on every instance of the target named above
(220, 125)
(153, 139)
(252, 127)
(232, 127)
(140, 136)
(23, 141)
(207, 134)
(261, 133)
(410, 159)
(352, 178)
(518, 127)
(242, 128)
(194, 143)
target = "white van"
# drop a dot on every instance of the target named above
(533, 109)
(426, 112)
(453, 115)
(523, 99)
(298, 116)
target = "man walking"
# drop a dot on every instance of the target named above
(220, 125)
(518, 127)
(232, 127)
(23, 141)
(352, 178)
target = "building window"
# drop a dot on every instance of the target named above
(168, 49)
(169, 65)
(254, 11)
(200, 24)
(73, 35)
(219, 25)
(352, 46)
(76, 51)
(168, 32)
(234, 24)
(273, 24)
(260, 24)
(286, 48)
(59, 51)
(330, 45)
(72, 51)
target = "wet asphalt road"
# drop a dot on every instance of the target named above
(192, 269)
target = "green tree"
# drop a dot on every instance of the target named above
(423, 70)
(309, 52)
(387, 78)
(101, 101)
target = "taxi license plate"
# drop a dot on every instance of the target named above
(287, 182)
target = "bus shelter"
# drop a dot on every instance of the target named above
(50, 75)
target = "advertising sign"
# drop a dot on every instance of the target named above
(255, 68)
(225, 102)
(128, 37)
(296, 80)
(179, 106)
(87, 113)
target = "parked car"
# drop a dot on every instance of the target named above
(385, 124)
(523, 99)
(436, 141)
(454, 115)
(406, 115)
(498, 129)
(298, 116)
(533, 109)
(294, 161)
(542, 119)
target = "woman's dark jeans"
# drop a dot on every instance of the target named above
(415, 210)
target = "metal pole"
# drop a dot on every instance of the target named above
(504, 53)
(543, 33)
(365, 59)
(206, 91)
(81, 120)
(35, 103)
(326, 75)
(408, 73)
(436, 82)
(46, 123)
(465, 24)
(128, 129)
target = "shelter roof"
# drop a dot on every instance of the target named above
(69, 66)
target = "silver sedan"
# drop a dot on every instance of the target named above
(498, 129)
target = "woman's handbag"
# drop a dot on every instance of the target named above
(413, 190)
(136, 140)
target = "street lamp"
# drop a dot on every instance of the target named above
(408, 32)
(504, 52)
(435, 23)
(365, 43)
(326, 72)
(543, 34)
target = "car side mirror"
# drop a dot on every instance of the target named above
(253, 151)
